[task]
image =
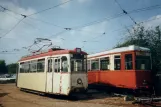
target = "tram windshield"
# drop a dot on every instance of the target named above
(78, 63)
(143, 62)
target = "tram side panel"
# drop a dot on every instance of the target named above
(65, 83)
(33, 81)
(93, 77)
(122, 79)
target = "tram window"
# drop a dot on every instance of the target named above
(40, 65)
(33, 66)
(26, 67)
(117, 62)
(50, 65)
(21, 67)
(64, 64)
(77, 65)
(143, 62)
(57, 65)
(85, 65)
(88, 65)
(104, 63)
(72, 66)
(128, 62)
(95, 64)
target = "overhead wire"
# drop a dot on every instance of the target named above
(124, 11)
(106, 18)
(24, 21)
(118, 15)
(38, 11)
(12, 28)
(49, 23)
(126, 27)
(133, 11)
(10, 10)
(50, 8)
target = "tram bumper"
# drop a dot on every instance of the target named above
(79, 83)
(78, 90)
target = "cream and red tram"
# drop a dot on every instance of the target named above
(57, 71)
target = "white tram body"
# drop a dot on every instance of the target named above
(57, 71)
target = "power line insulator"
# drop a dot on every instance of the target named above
(68, 28)
(23, 15)
(124, 11)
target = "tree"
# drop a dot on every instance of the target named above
(3, 68)
(12, 68)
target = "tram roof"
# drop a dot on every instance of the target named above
(122, 49)
(51, 52)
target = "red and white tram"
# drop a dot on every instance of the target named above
(125, 67)
(57, 71)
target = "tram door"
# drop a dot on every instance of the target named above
(56, 75)
(49, 77)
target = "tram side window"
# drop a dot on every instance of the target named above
(26, 67)
(21, 67)
(64, 64)
(33, 66)
(128, 62)
(57, 65)
(104, 63)
(95, 64)
(50, 65)
(40, 65)
(117, 62)
(85, 65)
(88, 65)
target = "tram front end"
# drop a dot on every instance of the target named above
(79, 78)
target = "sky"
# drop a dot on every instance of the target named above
(76, 13)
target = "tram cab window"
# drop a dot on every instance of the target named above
(143, 62)
(40, 65)
(64, 64)
(104, 63)
(77, 63)
(95, 64)
(128, 62)
(50, 65)
(117, 62)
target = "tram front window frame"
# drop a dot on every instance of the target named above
(78, 63)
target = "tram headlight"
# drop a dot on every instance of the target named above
(79, 81)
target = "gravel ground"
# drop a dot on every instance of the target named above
(11, 96)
